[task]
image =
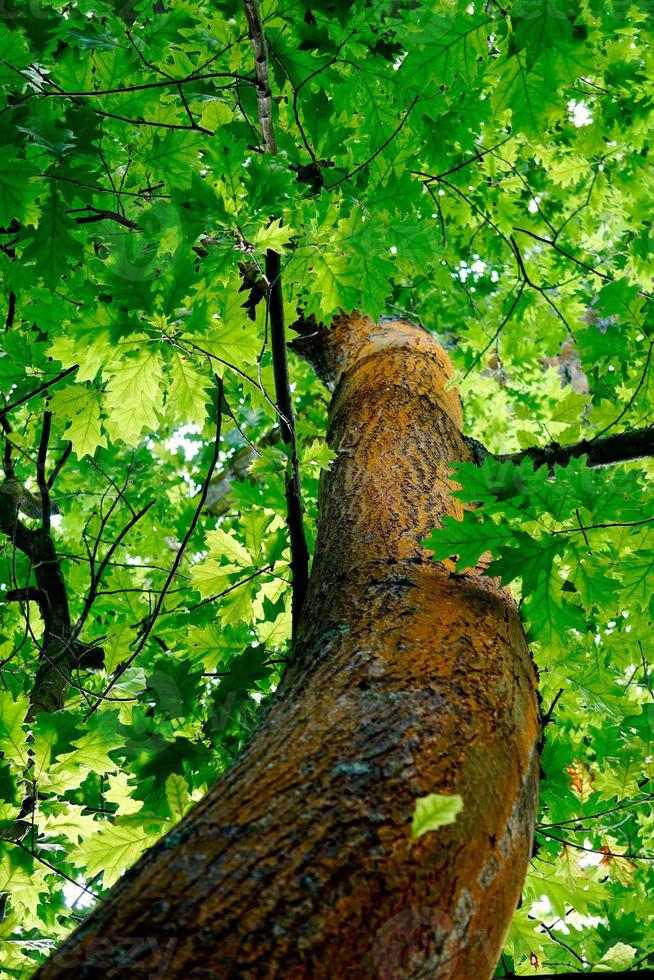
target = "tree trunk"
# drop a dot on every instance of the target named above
(406, 679)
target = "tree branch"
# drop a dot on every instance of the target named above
(100, 215)
(11, 311)
(295, 510)
(57, 653)
(96, 576)
(41, 480)
(126, 89)
(620, 448)
(620, 975)
(264, 97)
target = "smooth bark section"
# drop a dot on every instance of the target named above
(405, 679)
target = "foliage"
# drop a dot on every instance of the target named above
(482, 170)
(433, 811)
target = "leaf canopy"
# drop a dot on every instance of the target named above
(481, 169)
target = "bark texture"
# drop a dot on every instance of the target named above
(406, 679)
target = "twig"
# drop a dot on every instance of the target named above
(562, 251)
(633, 397)
(96, 577)
(583, 530)
(594, 527)
(464, 163)
(61, 462)
(595, 816)
(152, 618)
(560, 942)
(548, 716)
(37, 391)
(236, 585)
(154, 125)
(101, 215)
(380, 149)
(126, 89)
(627, 855)
(499, 329)
(57, 871)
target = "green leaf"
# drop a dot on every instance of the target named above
(619, 957)
(444, 47)
(89, 754)
(18, 195)
(81, 408)
(273, 236)
(177, 796)
(134, 395)
(188, 392)
(468, 539)
(52, 248)
(13, 739)
(542, 24)
(112, 850)
(433, 811)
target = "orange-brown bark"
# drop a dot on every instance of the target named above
(406, 679)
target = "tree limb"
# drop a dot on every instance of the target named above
(264, 97)
(619, 975)
(620, 448)
(295, 510)
(100, 215)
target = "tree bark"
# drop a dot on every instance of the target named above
(405, 679)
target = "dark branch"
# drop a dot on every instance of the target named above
(59, 465)
(620, 975)
(41, 480)
(57, 656)
(7, 461)
(11, 311)
(620, 448)
(166, 83)
(294, 520)
(633, 396)
(464, 163)
(154, 125)
(100, 215)
(28, 594)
